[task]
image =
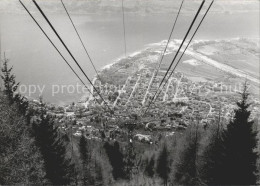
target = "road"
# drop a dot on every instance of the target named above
(223, 67)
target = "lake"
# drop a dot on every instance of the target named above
(36, 62)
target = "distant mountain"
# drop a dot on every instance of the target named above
(131, 6)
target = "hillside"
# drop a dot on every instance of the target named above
(202, 82)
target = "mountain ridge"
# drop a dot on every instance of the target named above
(136, 6)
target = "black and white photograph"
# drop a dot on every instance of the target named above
(129, 92)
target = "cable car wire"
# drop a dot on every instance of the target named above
(173, 27)
(82, 43)
(193, 35)
(123, 14)
(56, 33)
(56, 48)
(186, 35)
(187, 46)
(156, 70)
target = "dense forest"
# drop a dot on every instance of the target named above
(33, 150)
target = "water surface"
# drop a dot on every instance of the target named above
(36, 62)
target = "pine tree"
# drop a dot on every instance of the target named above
(186, 168)
(116, 160)
(213, 155)
(163, 165)
(130, 159)
(150, 167)
(98, 174)
(240, 142)
(10, 85)
(103, 168)
(85, 158)
(59, 170)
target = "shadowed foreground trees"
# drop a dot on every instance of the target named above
(230, 157)
(213, 156)
(20, 159)
(186, 167)
(116, 159)
(58, 167)
(163, 165)
(240, 146)
(85, 155)
(150, 167)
